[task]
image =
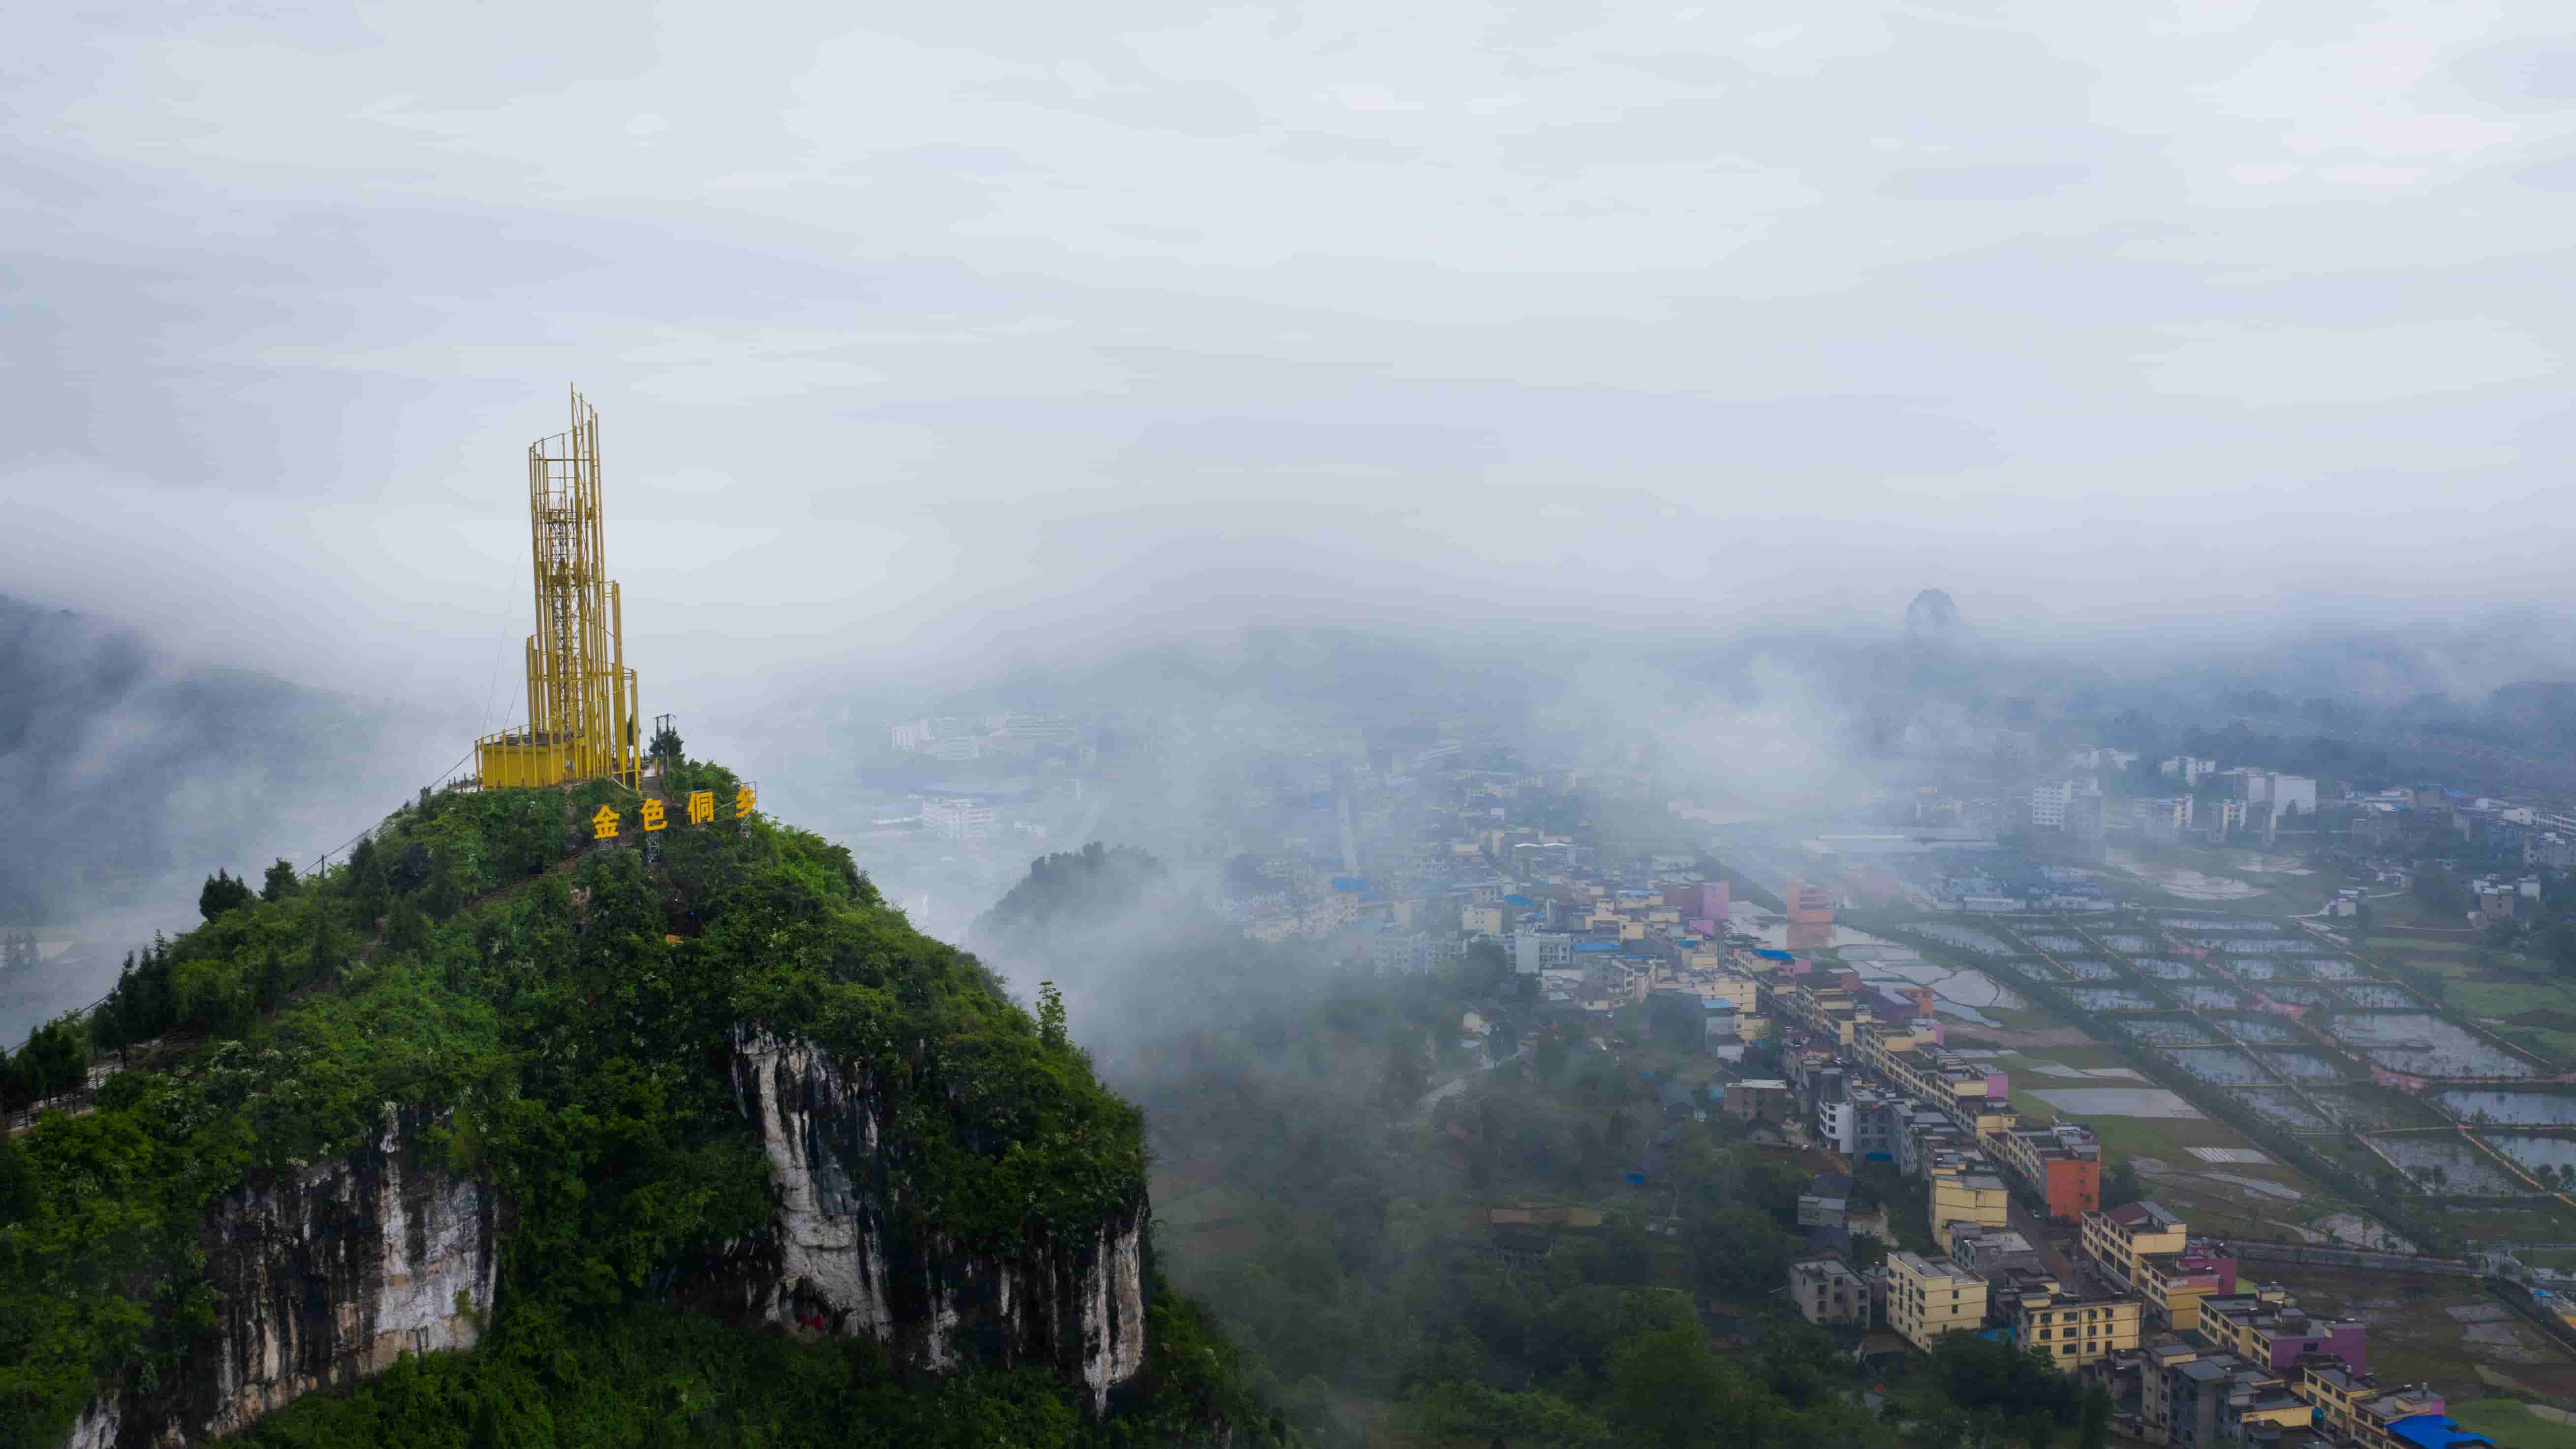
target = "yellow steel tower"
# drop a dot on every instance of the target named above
(581, 696)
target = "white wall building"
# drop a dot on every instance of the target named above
(958, 819)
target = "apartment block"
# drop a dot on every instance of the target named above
(2076, 1332)
(1930, 1298)
(2063, 1164)
(2115, 1239)
(1826, 1290)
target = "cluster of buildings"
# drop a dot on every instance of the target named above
(2156, 1313)
(2191, 1356)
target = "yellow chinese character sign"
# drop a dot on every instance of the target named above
(603, 826)
(743, 800)
(652, 812)
(702, 806)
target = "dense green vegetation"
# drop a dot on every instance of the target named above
(565, 1007)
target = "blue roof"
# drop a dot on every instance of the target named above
(1596, 945)
(1349, 883)
(2437, 1431)
(1770, 955)
(1516, 900)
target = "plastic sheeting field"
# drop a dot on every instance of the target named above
(2169, 1031)
(2210, 998)
(2055, 944)
(2088, 969)
(2166, 970)
(1966, 938)
(2261, 1030)
(2109, 998)
(2123, 943)
(2374, 995)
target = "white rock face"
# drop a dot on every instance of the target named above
(828, 1246)
(96, 1427)
(1077, 1306)
(328, 1274)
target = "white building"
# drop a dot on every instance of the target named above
(958, 819)
(1537, 951)
(2048, 805)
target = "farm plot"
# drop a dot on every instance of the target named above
(2333, 968)
(2054, 944)
(2123, 942)
(2462, 1169)
(2169, 1030)
(2224, 1065)
(2167, 970)
(2273, 946)
(2425, 1045)
(2088, 968)
(2110, 998)
(2544, 1157)
(2283, 1108)
(2297, 995)
(2259, 970)
(2376, 996)
(2519, 1109)
(2373, 1109)
(2204, 997)
(2261, 1030)
(2303, 1066)
(2220, 923)
(1966, 938)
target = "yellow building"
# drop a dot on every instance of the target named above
(1487, 920)
(2116, 1239)
(2075, 1332)
(1929, 1299)
(1964, 1189)
(2356, 1409)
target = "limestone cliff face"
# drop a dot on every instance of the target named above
(835, 1260)
(328, 1274)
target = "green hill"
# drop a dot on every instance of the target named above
(713, 1149)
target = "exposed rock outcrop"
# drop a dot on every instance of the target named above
(839, 1259)
(328, 1274)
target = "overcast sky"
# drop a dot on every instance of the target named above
(995, 326)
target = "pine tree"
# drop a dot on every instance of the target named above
(279, 883)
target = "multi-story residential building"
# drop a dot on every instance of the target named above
(2115, 1239)
(1826, 1290)
(2048, 804)
(2063, 1164)
(1928, 1299)
(2354, 1409)
(958, 819)
(2073, 1330)
(2277, 1332)
(1537, 951)
(1827, 1201)
(1964, 1189)
(1767, 1097)
(1862, 1126)
(2177, 1285)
